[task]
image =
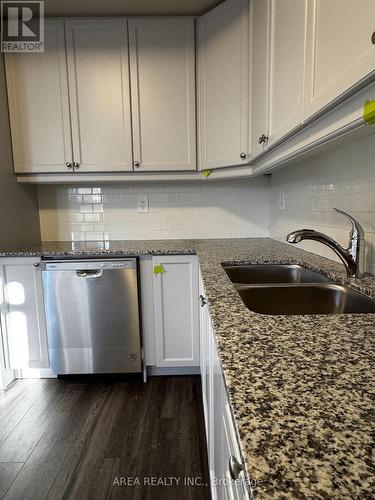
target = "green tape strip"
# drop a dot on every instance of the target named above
(369, 112)
(207, 172)
(159, 269)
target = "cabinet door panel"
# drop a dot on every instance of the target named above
(162, 69)
(39, 105)
(259, 73)
(176, 311)
(286, 66)
(99, 94)
(22, 314)
(223, 85)
(340, 52)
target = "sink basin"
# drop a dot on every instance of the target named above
(254, 274)
(324, 298)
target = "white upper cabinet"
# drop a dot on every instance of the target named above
(278, 54)
(39, 105)
(162, 73)
(97, 53)
(223, 86)
(286, 66)
(260, 11)
(340, 50)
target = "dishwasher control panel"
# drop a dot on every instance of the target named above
(88, 265)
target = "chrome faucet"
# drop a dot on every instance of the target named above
(352, 257)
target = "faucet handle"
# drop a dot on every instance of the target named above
(357, 230)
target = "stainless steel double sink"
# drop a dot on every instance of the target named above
(288, 289)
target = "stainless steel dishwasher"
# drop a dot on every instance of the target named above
(92, 316)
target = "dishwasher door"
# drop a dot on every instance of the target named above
(92, 316)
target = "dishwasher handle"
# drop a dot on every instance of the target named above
(96, 273)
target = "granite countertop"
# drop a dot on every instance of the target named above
(302, 388)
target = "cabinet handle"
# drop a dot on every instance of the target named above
(373, 38)
(263, 138)
(68, 164)
(76, 164)
(243, 156)
(136, 163)
(203, 300)
(36, 264)
(235, 468)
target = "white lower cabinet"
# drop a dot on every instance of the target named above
(222, 445)
(175, 289)
(23, 327)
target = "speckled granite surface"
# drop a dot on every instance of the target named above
(302, 388)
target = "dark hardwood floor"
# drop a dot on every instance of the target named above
(90, 439)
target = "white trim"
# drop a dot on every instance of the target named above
(154, 371)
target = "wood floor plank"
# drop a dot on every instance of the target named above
(16, 401)
(36, 477)
(98, 450)
(8, 473)
(126, 430)
(26, 434)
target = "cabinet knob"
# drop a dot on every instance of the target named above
(36, 264)
(203, 300)
(235, 468)
(76, 164)
(68, 164)
(263, 138)
(136, 163)
(373, 38)
(243, 156)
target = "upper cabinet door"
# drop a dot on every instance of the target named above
(39, 105)
(286, 66)
(260, 12)
(340, 50)
(99, 94)
(223, 85)
(162, 75)
(278, 56)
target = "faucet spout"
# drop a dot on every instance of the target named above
(352, 257)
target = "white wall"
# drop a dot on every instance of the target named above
(342, 178)
(19, 217)
(207, 209)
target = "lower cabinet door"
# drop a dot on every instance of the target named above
(227, 483)
(176, 310)
(23, 327)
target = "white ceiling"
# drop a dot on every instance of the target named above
(128, 7)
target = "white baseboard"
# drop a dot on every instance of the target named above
(176, 370)
(37, 373)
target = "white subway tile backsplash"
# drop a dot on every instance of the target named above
(343, 178)
(220, 209)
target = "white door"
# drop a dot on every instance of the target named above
(162, 74)
(260, 11)
(97, 51)
(176, 311)
(340, 50)
(286, 66)
(22, 313)
(223, 86)
(39, 106)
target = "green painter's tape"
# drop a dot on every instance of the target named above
(207, 172)
(159, 269)
(369, 112)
